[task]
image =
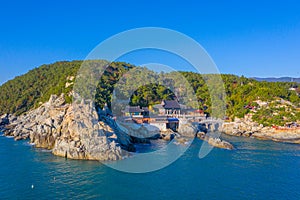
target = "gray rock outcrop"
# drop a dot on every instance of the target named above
(215, 141)
(247, 128)
(186, 128)
(69, 130)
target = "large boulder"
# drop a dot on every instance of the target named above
(217, 142)
(186, 128)
(214, 141)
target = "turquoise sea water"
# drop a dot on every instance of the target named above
(256, 170)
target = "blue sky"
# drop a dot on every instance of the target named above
(251, 38)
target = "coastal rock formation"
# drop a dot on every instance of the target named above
(247, 128)
(4, 120)
(186, 128)
(216, 142)
(167, 135)
(140, 133)
(278, 135)
(69, 130)
(182, 140)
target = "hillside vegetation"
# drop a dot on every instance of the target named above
(29, 90)
(26, 91)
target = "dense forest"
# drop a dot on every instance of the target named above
(144, 87)
(27, 91)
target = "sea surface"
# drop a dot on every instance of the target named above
(255, 170)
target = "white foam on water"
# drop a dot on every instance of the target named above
(44, 150)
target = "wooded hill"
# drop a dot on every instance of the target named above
(35, 87)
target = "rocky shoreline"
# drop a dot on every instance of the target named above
(69, 130)
(77, 131)
(247, 128)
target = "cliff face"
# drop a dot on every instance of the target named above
(69, 130)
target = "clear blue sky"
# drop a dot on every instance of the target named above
(251, 38)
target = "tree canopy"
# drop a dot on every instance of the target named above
(145, 87)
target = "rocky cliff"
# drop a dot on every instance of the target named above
(69, 130)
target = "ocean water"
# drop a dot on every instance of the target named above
(256, 170)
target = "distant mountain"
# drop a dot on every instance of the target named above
(281, 79)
